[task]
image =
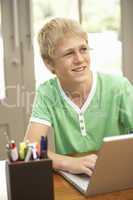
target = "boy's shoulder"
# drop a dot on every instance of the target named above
(111, 79)
(48, 86)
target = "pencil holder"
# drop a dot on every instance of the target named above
(31, 180)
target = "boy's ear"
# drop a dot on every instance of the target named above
(49, 64)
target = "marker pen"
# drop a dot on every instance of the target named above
(22, 150)
(29, 154)
(13, 151)
(43, 147)
(34, 151)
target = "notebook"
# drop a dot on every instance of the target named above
(113, 170)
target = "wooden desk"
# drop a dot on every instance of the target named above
(65, 191)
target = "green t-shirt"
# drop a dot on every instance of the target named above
(107, 111)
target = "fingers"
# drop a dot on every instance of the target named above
(90, 161)
(84, 164)
(88, 171)
(92, 157)
(89, 164)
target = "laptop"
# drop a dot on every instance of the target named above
(113, 170)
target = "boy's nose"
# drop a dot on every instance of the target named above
(78, 57)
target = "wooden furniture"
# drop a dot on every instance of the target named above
(65, 191)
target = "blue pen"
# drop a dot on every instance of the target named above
(43, 147)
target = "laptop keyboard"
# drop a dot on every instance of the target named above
(79, 180)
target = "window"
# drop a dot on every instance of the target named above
(2, 81)
(102, 21)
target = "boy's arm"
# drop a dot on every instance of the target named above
(35, 131)
(84, 164)
(126, 106)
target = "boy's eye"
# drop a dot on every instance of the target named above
(83, 49)
(68, 53)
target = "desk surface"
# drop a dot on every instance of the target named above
(65, 191)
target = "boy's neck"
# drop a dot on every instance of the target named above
(78, 93)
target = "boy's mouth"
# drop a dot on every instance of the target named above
(79, 69)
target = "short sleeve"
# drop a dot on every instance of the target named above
(126, 106)
(40, 113)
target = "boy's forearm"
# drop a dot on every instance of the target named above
(59, 161)
(83, 164)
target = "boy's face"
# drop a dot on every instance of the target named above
(71, 60)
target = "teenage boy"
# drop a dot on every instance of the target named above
(82, 106)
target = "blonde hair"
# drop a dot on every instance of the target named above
(53, 31)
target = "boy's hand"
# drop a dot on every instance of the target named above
(77, 165)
